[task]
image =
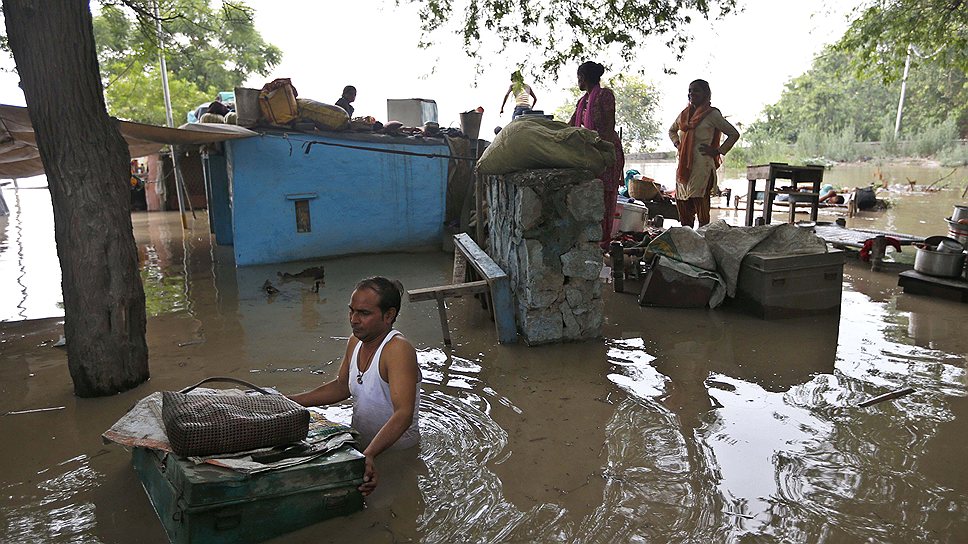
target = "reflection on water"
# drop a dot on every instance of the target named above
(164, 293)
(680, 426)
(61, 516)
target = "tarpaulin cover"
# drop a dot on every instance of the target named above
(731, 244)
(717, 250)
(530, 143)
(19, 157)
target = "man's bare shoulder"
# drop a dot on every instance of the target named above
(399, 346)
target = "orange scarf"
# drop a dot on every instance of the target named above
(689, 119)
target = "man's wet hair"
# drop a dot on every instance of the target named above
(389, 291)
(349, 89)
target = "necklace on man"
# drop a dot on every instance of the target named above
(359, 376)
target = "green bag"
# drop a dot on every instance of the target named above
(531, 143)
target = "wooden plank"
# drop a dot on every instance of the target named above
(503, 305)
(758, 172)
(856, 237)
(482, 262)
(454, 290)
(915, 283)
(502, 299)
(460, 268)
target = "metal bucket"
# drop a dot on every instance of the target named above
(632, 217)
(936, 263)
(470, 124)
(960, 212)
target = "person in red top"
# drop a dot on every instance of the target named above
(596, 111)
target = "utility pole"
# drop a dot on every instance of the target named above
(900, 102)
(179, 182)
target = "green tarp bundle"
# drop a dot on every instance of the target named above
(531, 143)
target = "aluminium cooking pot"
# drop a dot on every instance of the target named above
(960, 212)
(936, 263)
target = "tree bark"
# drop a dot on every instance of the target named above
(87, 166)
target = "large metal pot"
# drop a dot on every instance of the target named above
(936, 263)
(961, 212)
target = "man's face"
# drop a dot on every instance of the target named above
(349, 96)
(367, 320)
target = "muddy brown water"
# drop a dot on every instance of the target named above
(678, 426)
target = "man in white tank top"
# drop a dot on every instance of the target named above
(379, 370)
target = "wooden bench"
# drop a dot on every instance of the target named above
(496, 285)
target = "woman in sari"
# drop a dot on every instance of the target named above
(697, 133)
(596, 111)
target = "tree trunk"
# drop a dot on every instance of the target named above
(87, 166)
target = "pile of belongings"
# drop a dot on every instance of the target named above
(716, 251)
(280, 105)
(144, 427)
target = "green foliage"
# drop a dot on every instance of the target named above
(818, 108)
(955, 156)
(565, 31)
(636, 101)
(138, 95)
(823, 100)
(933, 140)
(880, 34)
(208, 49)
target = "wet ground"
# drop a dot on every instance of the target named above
(678, 426)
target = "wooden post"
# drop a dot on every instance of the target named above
(500, 287)
(617, 253)
(878, 249)
(442, 311)
(460, 268)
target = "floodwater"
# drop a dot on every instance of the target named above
(677, 426)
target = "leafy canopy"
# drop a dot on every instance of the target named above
(827, 99)
(208, 49)
(636, 102)
(879, 36)
(564, 31)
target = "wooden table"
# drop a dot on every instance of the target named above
(797, 175)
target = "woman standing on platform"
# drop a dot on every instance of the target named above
(697, 133)
(596, 111)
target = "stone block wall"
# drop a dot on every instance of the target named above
(545, 226)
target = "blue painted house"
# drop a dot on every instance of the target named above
(293, 196)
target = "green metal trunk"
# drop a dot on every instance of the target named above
(208, 504)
